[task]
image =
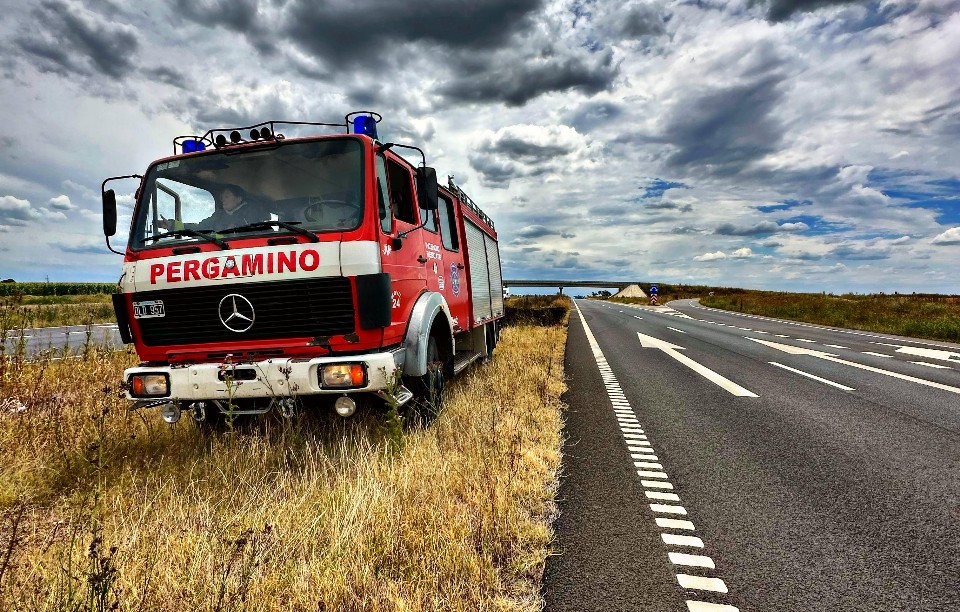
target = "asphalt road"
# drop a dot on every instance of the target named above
(716, 461)
(61, 340)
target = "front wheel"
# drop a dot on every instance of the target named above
(427, 390)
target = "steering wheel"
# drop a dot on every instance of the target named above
(315, 211)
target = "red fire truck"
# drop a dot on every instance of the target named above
(268, 272)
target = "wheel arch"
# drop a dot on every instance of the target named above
(430, 316)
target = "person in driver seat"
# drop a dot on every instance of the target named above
(233, 211)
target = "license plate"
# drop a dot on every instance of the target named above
(148, 310)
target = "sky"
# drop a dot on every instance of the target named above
(801, 145)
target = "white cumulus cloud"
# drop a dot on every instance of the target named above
(61, 202)
(711, 256)
(951, 236)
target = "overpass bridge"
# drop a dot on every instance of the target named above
(596, 284)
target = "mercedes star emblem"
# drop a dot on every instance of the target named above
(236, 313)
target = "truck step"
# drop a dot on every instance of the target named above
(464, 358)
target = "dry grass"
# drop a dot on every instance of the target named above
(100, 507)
(936, 317)
(23, 311)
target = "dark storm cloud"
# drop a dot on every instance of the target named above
(170, 76)
(514, 147)
(608, 210)
(641, 20)
(518, 79)
(591, 115)
(83, 249)
(65, 38)
(684, 208)
(764, 227)
(861, 252)
(723, 131)
(356, 32)
(781, 10)
(240, 16)
(521, 151)
(539, 231)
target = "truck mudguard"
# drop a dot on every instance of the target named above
(428, 307)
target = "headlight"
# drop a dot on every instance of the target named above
(343, 375)
(149, 385)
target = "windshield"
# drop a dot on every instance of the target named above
(316, 185)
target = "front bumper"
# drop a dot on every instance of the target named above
(268, 378)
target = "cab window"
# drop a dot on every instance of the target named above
(448, 224)
(401, 192)
(383, 196)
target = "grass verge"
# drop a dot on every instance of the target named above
(24, 311)
(935, 317)
(105, 509)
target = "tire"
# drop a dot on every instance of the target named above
(428, 390)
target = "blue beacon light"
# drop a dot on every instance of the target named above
(192, 146)
(366, 125)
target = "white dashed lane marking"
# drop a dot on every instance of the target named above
(877, 354)
(701, 583)
(932, 365)
(808, 375)
(657, 486)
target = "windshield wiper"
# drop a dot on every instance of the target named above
(292, 226)
(191, 233)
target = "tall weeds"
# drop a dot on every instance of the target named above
(101, 508)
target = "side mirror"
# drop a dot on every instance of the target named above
(109, 212)
(427, 184)
(396, 243)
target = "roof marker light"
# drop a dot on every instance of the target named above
(366, 125)
(192, 146)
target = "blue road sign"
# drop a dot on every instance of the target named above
(653, 289)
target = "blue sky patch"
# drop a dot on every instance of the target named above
(941, 195)
(818, 226)
(657, 187)
(784, 205)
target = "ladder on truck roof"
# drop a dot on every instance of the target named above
(463, 197)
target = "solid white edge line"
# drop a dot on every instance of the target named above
(808, 375)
